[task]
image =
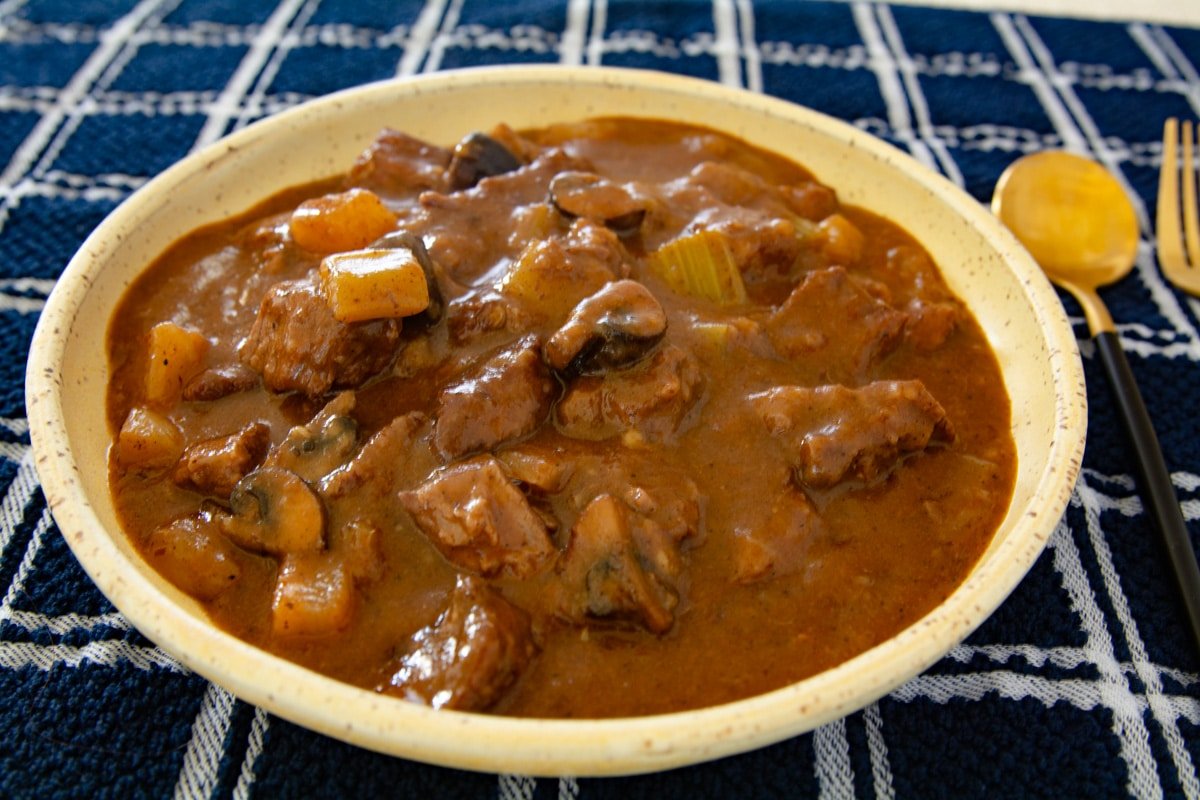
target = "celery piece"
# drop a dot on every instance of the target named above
(700, 265)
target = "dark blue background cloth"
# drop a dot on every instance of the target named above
(1083, 684)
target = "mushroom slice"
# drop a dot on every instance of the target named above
(584, 194)
(614, 328)
(314, 450)
(276, 512)
(479, 156)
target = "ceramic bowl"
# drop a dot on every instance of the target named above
(982, 263)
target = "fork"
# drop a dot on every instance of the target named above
(1180, 269)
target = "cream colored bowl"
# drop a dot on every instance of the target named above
(1017, 308)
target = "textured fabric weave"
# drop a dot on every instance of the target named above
(1083, 684)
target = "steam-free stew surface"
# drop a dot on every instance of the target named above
(610, 418)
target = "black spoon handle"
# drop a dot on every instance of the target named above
(1153, 478)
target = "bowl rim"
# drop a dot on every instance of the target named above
(538, 746)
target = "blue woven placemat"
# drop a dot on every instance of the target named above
(1083, 684)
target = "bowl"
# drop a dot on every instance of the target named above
(981, 262)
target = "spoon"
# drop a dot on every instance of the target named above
(1078, 224)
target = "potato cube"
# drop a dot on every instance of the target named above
(175, 356)
(338, 222)
(374, 284)
(148, 440)
(194, 555)
(314, 595)
(841, 240)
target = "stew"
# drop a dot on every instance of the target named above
(607, 418)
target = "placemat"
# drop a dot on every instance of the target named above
(1083, 684)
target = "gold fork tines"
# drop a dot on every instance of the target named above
(1180, 268)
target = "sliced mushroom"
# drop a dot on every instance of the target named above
(614, 328)
(413, 243)
(477, 157)
(584, 194)
(276, 512)
(314, 450)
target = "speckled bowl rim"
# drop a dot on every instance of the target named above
(543, 747)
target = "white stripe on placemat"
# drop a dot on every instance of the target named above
(884, 66)
(725, 43)
(1182, 69)
(108, 653)
(751, 55)
(516, 787)
(595, 48)
(420, 36)
(23, 569)
(574, 34)
(26, 155)
(881, 767)
(568, 789)
(444, 35)
(202, 759)
(254, 748)
(1129, 726)
(1036, 81)
(915, 94)
(835, 776)
(225, 106)
(252, 106)
(16, 499)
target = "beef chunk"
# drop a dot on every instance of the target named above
(834, 433)
(396, 457)
(480, 521)
(506, 398)
(296, 344)
(478, 313)
(396, 163)
(778, 544)
(469, 657)
(652, 398)
(831, 315)
(214, 466)
(620, 565)
(218, 382)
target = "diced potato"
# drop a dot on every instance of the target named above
(548, 283)
(314, 595)
(335, 223)
(148, 440)
(175, 356)
(374, 284)
(841, 240)
(193, 554)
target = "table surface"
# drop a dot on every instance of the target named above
(1083, 683)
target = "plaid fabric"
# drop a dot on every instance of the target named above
(1084, 683)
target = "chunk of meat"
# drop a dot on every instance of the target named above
(218, 382)
(479, 313)
(395, 458)
(214, 466)
(506, 398)
(396, 163)
(620, 565)
(830, 317)
(480, 521)
(470, 656)
(778, 544)
(652, 398)
(296, 343)
(835, 433)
